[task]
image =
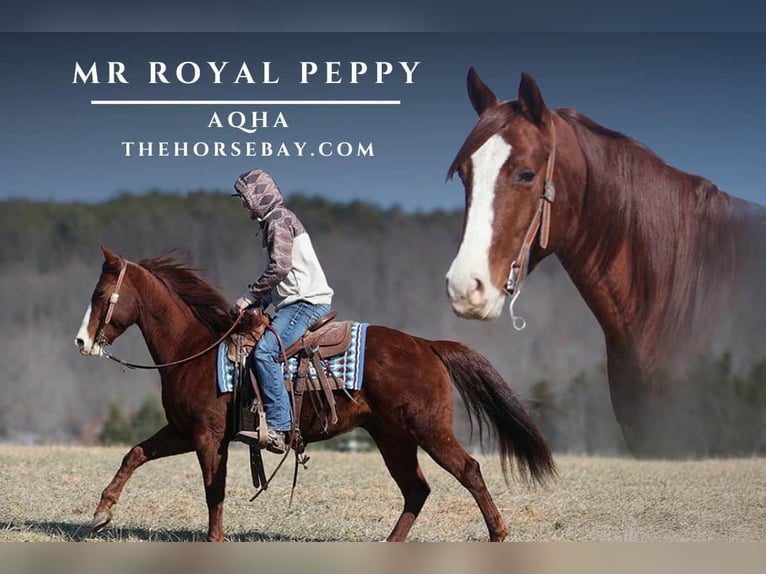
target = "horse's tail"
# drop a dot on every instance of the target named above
(490, 401)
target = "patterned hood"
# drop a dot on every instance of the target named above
(259, 191)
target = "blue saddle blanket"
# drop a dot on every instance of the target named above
(348, 367)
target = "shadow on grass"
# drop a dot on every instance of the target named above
(71, 532)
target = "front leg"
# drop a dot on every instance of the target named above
(165, 442)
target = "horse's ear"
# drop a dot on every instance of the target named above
(481, 96)
(109, 255)
(531, 99)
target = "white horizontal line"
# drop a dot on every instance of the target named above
(245, 102)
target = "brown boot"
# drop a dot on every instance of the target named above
(277, 443)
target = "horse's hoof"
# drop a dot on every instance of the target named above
(100, 520)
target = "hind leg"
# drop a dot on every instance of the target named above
(165, 442)
(400, 453)
(212, 455)
(442, 446)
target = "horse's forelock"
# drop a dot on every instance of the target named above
(491, 122)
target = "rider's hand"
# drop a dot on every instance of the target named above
(244, 302)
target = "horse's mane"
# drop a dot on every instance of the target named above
(677, 227)
(207, 303)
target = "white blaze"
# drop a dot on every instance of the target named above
(472, 261)
(83, 340)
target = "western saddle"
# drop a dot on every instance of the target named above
(324, 339)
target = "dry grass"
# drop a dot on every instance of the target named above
(49, 494)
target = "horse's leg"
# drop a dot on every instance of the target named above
(165, 442)
(212, 454)
(440, 443)
(400, 453)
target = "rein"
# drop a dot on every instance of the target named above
(101, 336)
(212, 346)
(540, 222)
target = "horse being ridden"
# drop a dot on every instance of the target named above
(670, 265)
(405, 401)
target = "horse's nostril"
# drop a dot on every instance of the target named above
(80, 343)
(476, 292)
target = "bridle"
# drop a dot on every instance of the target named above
(541, 222)
(113, 298)
(102, 342)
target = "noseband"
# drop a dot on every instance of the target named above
(540, 222)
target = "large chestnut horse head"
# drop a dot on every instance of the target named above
(504, 164)
(670, 265)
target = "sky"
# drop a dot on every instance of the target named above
(390, 16)
(694, 98)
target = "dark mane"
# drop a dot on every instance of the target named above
(571, 115)
(669, 220)
(207, 303)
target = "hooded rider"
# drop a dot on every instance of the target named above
(294, 283)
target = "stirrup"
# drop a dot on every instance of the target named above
(251, 438)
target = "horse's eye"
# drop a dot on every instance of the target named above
(98, 294)
(524, 176)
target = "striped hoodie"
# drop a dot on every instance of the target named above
(293, 272)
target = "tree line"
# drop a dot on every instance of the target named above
(386, 267)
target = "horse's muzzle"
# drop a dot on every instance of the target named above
(89, 350)
(472, 298)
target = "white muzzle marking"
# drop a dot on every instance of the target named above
(469, 280)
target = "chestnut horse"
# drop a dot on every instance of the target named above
(670, 265)
(405, 401)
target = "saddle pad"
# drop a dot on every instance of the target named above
(348, 367)
(225, 369)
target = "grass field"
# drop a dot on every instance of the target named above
(50, 493)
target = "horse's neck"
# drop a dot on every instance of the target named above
(607, 294)
(635, 258)
(603, 287)
(168, 326)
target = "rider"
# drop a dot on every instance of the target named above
(294, 283)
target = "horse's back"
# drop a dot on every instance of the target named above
(389, 349)
(398, 365)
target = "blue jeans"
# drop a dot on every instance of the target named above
(291, 321)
